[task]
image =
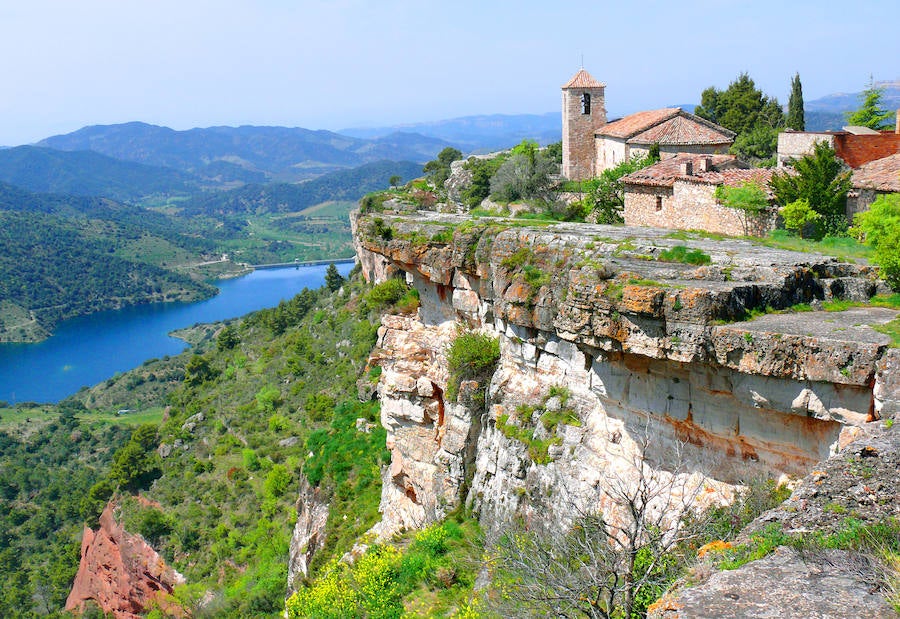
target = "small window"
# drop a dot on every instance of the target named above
(585, 103)
(659, 201)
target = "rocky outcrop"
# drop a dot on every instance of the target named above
(858, 483)
(309, 532)
(120, 572)
(632, 342)
(828, 584)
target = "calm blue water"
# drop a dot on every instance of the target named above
(84, 351)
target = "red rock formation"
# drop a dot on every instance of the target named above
(119, 571)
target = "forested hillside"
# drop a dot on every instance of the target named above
(343, 185)
(268, 399)
(62, 256)
(86, 173)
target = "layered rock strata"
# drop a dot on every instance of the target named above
(617, 345)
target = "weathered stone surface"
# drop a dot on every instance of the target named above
(309, 532)
(829, 584)
(120, 572)
(634, 341)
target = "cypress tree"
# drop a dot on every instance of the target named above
(795, 119)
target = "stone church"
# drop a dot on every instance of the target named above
(590, 144)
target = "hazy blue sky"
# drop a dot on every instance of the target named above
(338, 63)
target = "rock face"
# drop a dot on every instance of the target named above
(309, 532)
(119, 571)
(588, 315)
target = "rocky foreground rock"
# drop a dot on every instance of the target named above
(119, 572)
(858, 484)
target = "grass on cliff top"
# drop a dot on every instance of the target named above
(843, 248)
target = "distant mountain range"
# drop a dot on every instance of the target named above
(343, 185)
(245, 154)
(477, 133)
(842, 102)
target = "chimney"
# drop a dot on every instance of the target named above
(706, 164)
(687, 168)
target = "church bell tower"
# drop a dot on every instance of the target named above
(583, 113)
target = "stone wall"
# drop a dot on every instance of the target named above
(796, 144)
(689, 206)
(855, 150)
(860, 200)
(613, 151)
(667, 152)
(609, 152)
(578, 131)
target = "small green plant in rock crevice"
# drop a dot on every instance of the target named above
(472, 356)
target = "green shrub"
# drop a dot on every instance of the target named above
(681, 253)
(373, 203)
(880, 228)
(386, 293)
(472, 356)
(799, 216)
(277, 481)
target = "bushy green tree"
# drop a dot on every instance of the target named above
(438, 170)
(333, 279)
(525, 174)
(795, 117)
(228, 338)
(605, 197)
(870, 113)
(799, 216)
(820, 179)
(482, 172)
(749, 199)
(744, 109)
(137, 463)
(880, 228)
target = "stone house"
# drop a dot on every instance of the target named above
(680, 193)
(871, 180)
(591, 145)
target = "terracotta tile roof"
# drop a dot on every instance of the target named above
(880, 175)
(670, 126)
(684, 129)
(583, 79)
(635, 123)
(725, 170)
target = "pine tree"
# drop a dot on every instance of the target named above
(333, 278)
(795, 118)
(870, 114)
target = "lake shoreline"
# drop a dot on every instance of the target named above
(42, 333)
(89, 349)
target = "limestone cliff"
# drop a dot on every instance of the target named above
(594, 328)
(120, 572)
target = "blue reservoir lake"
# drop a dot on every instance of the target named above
(87, 350)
